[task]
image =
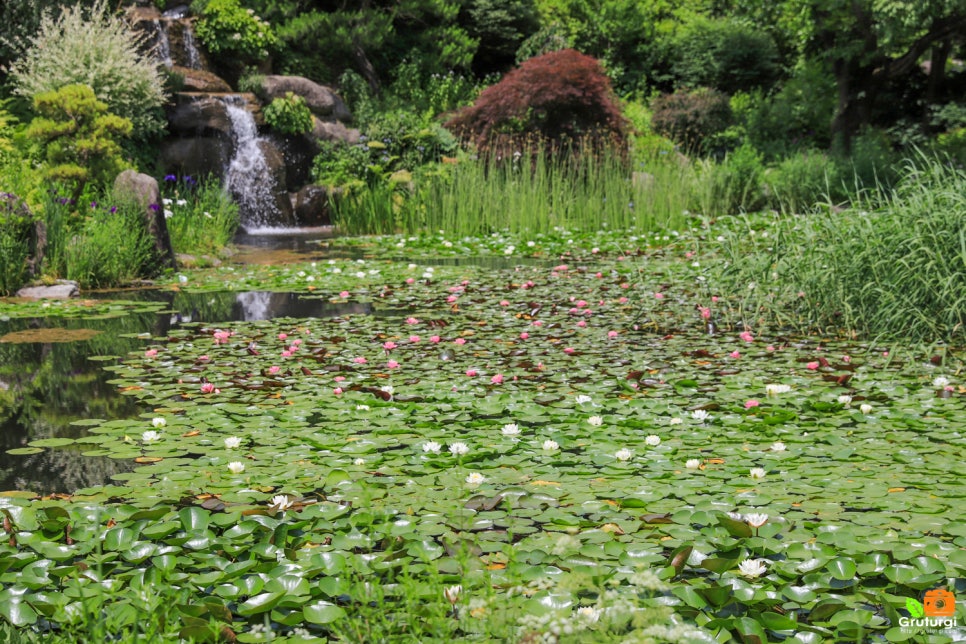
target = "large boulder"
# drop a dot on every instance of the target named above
(311, 205)
(321, 100)
(60, 290)
(143, 190)
(195, 156)
(333, 131)
(203, 114)
(199, 80)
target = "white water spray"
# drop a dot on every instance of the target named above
(248, 177)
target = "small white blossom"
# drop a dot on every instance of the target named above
(700, 415)
(150, 436)
(359, 461)
(281, 502)
(432, 447)
(752, 568)
(774, 390)
(623, 454)
(865, 408)
(458, 449)
(550, 445)
(232, 442)
(511, 429)
(757, 472)
(475, 478)
(939, 382)
(778, 446)
(587, 614)
(452, 593)
(756, 520)
(583, 399)
(845, 399)
(675, 421)
(653, 440)
(158, 422)
(596, 421)
(236, 467)
(692, 464)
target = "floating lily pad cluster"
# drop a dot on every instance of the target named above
(586, 449)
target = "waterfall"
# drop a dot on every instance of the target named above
(190, 50)
(162, 46)
(247, 176)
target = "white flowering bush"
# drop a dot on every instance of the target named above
(98, 49)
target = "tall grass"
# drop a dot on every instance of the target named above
(896, 271)
(201, 217)
(526, 194)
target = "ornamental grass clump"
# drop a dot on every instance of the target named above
(896, 271)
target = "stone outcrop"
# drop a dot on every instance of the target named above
(60, 290)
(143, 190)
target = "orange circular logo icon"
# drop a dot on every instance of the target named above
(939, 602)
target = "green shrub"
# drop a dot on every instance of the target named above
(289, 115)
(80, 137)
(98, 50)
(201, 216)
(227, 29)
(431, 94)
(691, 118)
(726, 55)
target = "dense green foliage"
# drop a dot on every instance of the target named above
(227, 29)
(80, 137)
(201, 217)
(94, 48)
(289, 114)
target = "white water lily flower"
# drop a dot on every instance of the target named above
(653, 440)
(359, 461)
(752, 568)
(939, 382)
(778, 446)
(432, 447)
(737, 516)
(675, 421)
(692, 464)
(511, 429)
(281, 502)
(757, 472)
(236, 467)
(866, 408)
(583, 400)
(700, 415)
(150, 436)
(458, 449)
(452, 593)
(158, 422)
(775, 389)
(845, 399)
(587, 614)
(623, 454)
(232, 442)
(756, 520)
(550, 445)
(596, 421)
(475, 478)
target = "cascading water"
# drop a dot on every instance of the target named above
(248, 177)
(190, 49)
(162, 45)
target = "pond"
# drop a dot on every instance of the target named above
(598, 441)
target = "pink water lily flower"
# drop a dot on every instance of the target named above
(459, 341)
(497, 379)
(150, 353)
(344, 294)
(751, 403)
(812, 365)
(746, 336)
(359, 360)
(392, 364)
(208, 388)
(274, 369)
